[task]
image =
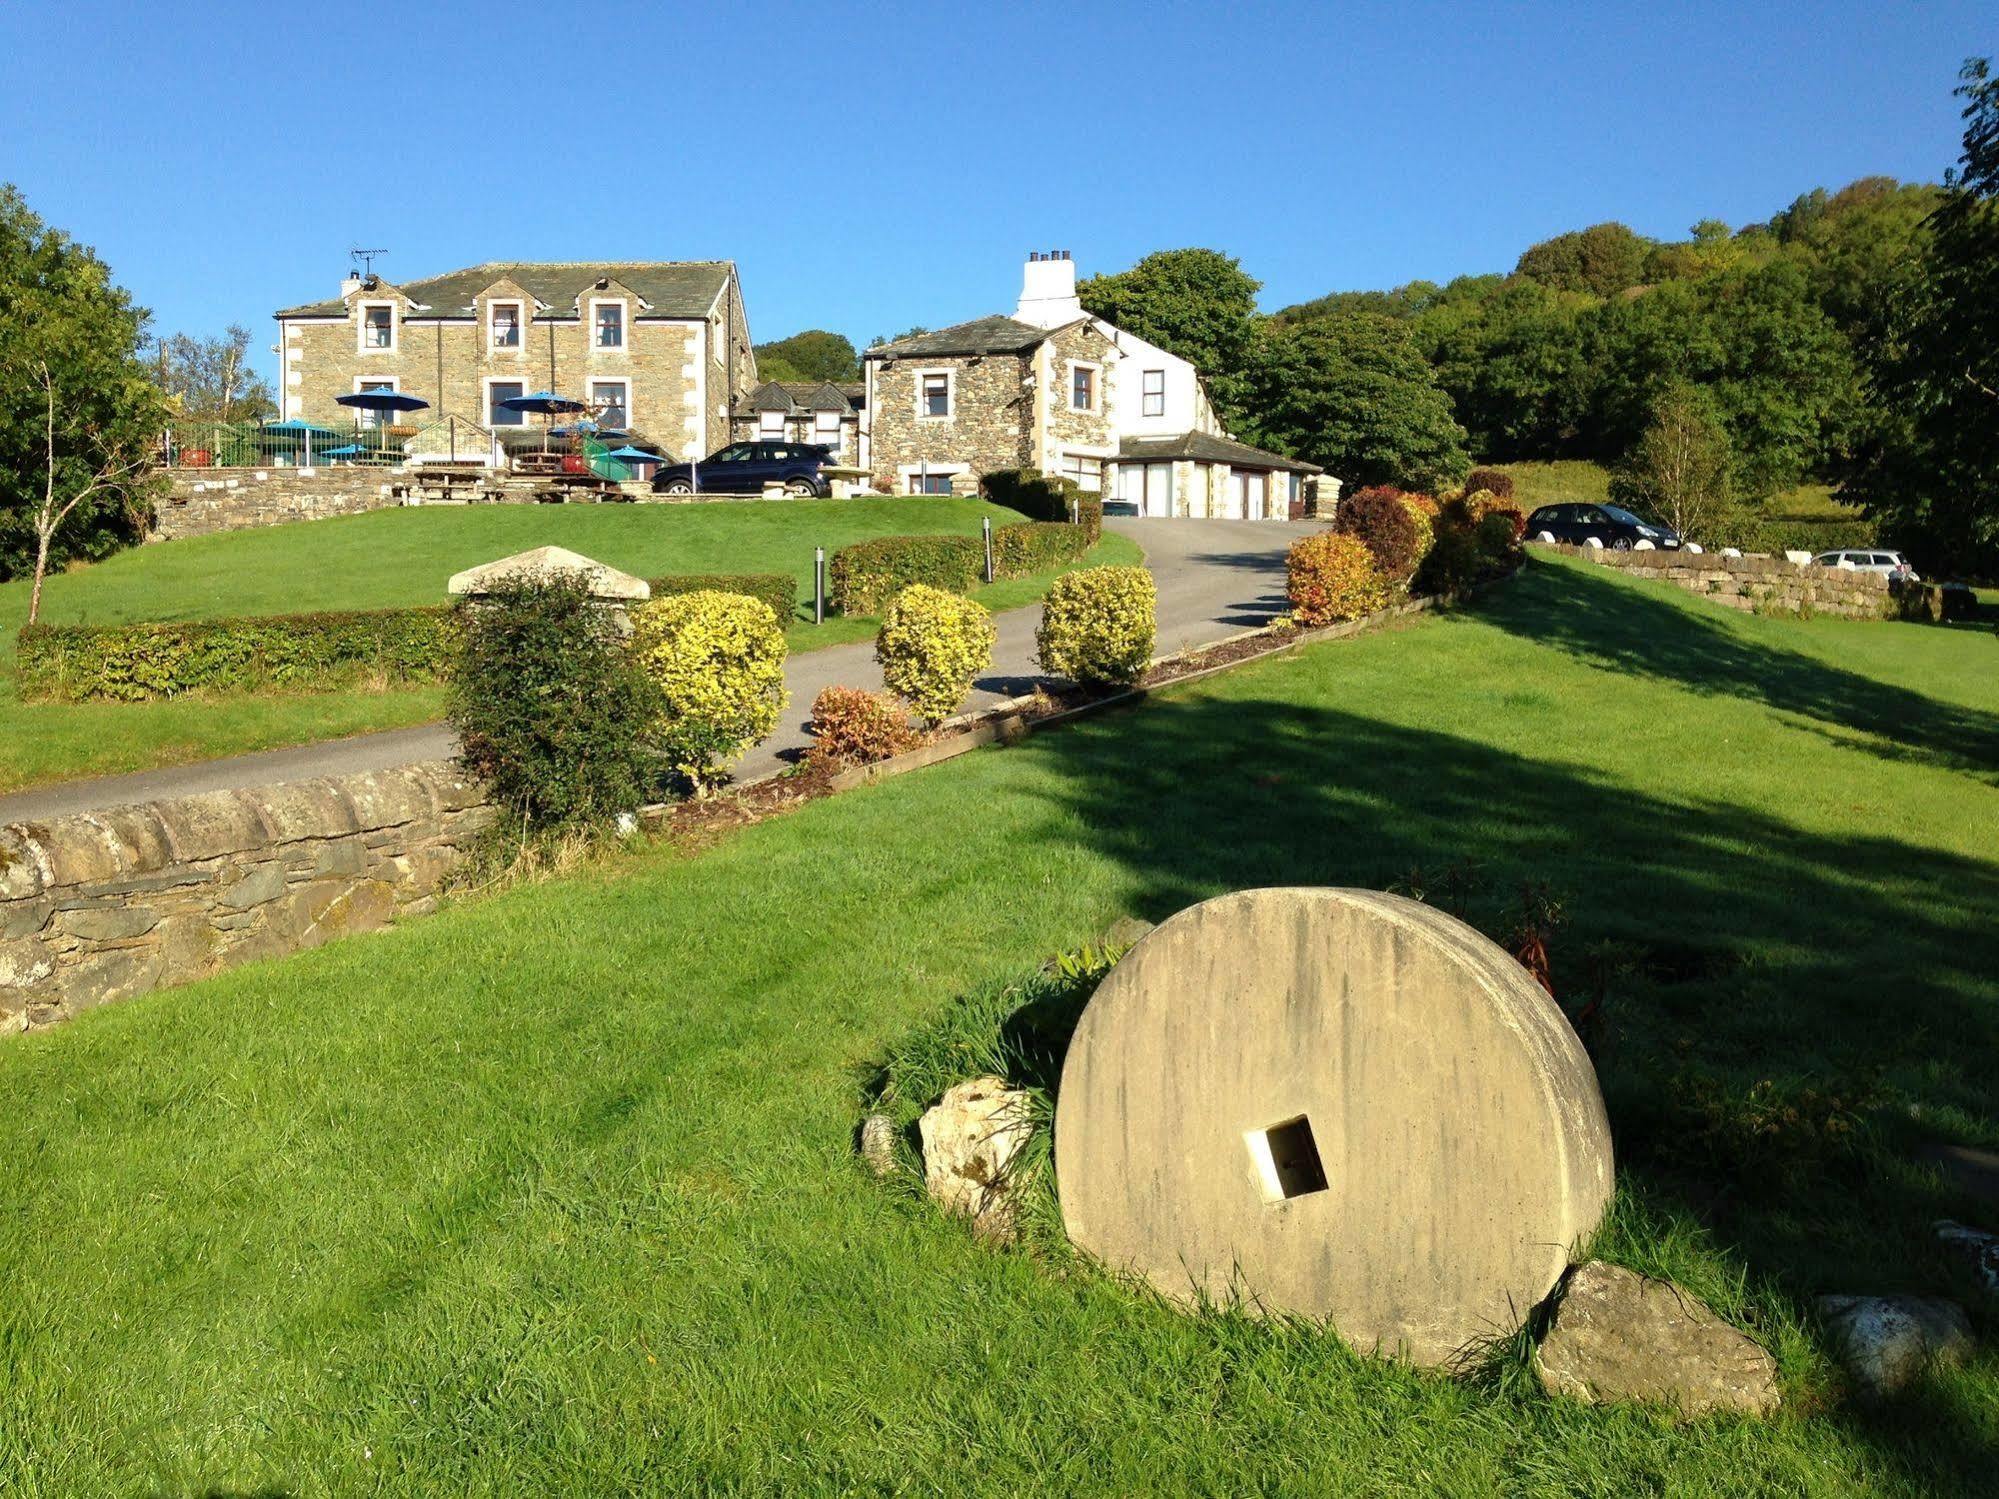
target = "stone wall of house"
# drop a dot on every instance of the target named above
(1760, 585)
(991, 425)
(201, 501)
(1079, 343)
(100, 906)
(448, 362)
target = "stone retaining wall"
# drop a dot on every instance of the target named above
(1761, 585)
(201, 501)
(99, 906)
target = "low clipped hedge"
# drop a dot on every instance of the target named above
(1036, 495)
(779, 590)
(865, 576)
(137, 662)
(144, 661)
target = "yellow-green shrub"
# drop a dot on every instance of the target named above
(1426, 527)
(1098, 625)
(1332, 576)
(718, 661)
(931, 646)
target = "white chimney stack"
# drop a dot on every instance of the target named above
(1048, 291)
(349, 284)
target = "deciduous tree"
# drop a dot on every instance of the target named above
(1680, 469)
(1199, 304)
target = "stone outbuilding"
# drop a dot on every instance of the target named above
(813, 411)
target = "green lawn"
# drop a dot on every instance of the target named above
(398, 557)
(554, 1193)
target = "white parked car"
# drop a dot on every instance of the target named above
(1894, 564)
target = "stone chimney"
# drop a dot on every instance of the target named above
(349, 284)
(1048, 290)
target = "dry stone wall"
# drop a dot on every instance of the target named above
(200, 502)
(1759, 585)
(99, 906)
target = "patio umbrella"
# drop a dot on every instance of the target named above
(382, 401)
(304, 431)
(632, 457)
(548, 403)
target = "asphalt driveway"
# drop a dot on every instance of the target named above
(1216, 578)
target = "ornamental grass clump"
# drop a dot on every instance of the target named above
(931, 646)
(1379, 519)
(852, 726)
(1331, 577)
(717, 660)
(551, 711)
(1098, 625)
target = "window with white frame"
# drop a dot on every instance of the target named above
(1153, 393)
(1085, 471)
(1082, 387)
(363, 416)
(503, 319)
(826, 429)
(610, 400)
(770, 425)
(608, 318)
(378, 326)
(929, 483)
(504, 390)
(933, 394)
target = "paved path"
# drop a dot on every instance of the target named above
(1216, 578)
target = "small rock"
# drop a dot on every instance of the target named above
(878, 1144)
(1888, 1341)
(1619, 1336)
(1977, 1246)
(1125, 931)
(970, 1140)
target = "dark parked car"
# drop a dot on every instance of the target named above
(1612, 526)
(746, 467)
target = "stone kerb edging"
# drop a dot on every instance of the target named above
(99, 906)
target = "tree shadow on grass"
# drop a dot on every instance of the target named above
(1636, 632)
(1742, 948)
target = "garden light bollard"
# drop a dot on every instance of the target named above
(819, 585)
(986, 530)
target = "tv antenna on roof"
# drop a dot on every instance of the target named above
(367, 259)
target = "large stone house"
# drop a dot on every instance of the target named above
(815, 411)
(1054, 388)
(661, 348)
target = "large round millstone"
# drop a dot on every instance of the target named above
(1338, 1104)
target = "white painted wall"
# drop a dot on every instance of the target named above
(1187, 408)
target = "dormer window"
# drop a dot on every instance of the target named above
(505, 321)
(378, 326)
(608, 319)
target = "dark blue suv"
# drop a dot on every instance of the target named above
(1610, 525)
(746, 467)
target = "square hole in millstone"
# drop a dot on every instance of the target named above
(1287, 1159)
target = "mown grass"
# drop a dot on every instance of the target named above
(392, 558)
(554, 1192)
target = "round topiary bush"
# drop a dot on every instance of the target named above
(1378, 518)
(1098, 625)
(931, 646)
(1332, 576)
(718, 662)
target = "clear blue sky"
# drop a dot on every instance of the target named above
(876, 166)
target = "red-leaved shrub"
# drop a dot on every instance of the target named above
(1332, 576)
(1492, 480)
(852, 726)
(1378, 518)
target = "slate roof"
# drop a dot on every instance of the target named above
(669, 288)
(796, 395)
(1205, 447)
(986, 335)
